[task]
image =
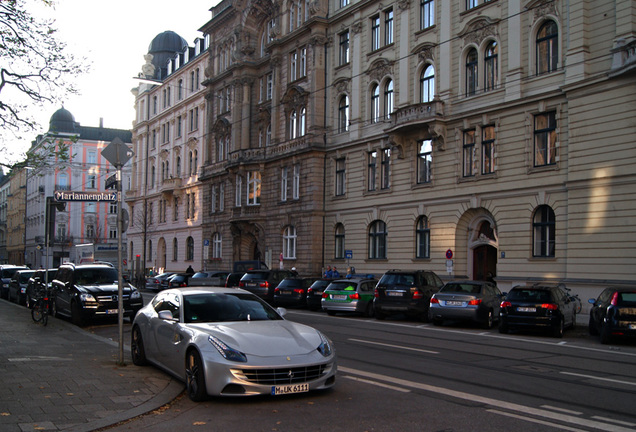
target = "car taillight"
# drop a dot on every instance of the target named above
(276, 291)
(474, 302)
(354, 296)
(550, 306)
(183, 284)
(309, 290)
(376, 293)
(264, 284)
(241, 284)
(418, 295)
(434, 300)
(614, 301)
(299, 291)
(325, 295)
(505, 304)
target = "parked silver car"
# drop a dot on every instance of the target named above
(466, 300)
(229, 342)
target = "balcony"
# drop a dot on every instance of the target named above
(246, 212)
(246, 156)
(415, 116)
(169, 185)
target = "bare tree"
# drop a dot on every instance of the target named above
(35, 68)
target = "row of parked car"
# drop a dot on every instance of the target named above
(422, 295)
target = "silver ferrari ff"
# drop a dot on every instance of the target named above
(229, 342)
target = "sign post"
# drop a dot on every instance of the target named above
(118, 153)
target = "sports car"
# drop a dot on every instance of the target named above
(229, 342)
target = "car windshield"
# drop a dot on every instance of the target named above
(342, 286)
(225, 307)
(397, 279)
(8, 273)
(255, 275)
(529, 295)
(462, 288)
(24, 276)
(96, 276)
(200, 275)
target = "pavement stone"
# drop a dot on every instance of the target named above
(63, 378)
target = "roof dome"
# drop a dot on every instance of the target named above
(164, 46)
(62, 121)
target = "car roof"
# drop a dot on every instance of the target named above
(355, 279)
(204, 290)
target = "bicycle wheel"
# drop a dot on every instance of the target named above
(45, 314)
(36, 312)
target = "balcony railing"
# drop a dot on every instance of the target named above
(413, 116)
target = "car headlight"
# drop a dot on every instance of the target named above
(226, 351)
(135, 294)
(87, 297)
(325, 345)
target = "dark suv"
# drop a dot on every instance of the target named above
(86, 291)
(408, 292)
(613, 313)
(263, 282)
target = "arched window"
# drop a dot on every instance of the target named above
(471, 72)
(388, 98)
(377, 240)
(293, 124)
(543, 232)
(343, 114)
(375, 104)
(189, 249)
(178, 166)
(292, 16)
(547, 48)
(175, 249)
(302, 125)
(422, 238)
(490, 66)
(339, 242)
(427, 84)
(289, 243)
(268, 135)
(191, 164)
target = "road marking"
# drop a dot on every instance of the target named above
(491, 402)
(38, 358)
(394, 346)
(529, 419)
(600, 378)
(379, 384)
(567, 411)
(614, 421)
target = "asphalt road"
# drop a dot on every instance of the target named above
(409, 376)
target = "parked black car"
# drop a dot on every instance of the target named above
(36, 284)
(263, 282)
(613, 314)
(18, 286)
(292, 291)
(209, 278)
(537, 307)
(466, 300)
(86, 291)
(314, 293)
(408, 292)
(153, 283)
(6, 273)
(176, 280)
(233, 279)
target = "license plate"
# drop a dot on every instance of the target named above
(394, 293)
(289, 389)
(526, 309)
(339, 297)
(111, 311)
(453, 303)
(632, 326)
(285, 292)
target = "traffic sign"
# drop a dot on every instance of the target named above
(117, 153)
(449, 254)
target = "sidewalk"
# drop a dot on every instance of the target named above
(63, 378)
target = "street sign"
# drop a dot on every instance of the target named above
(449, 254)
(348, 254)
(85, 196)
(117, 153)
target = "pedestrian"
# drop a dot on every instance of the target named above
(328, 272)
(335, 272)
(190, 270)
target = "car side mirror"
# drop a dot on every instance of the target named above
(166, 315)
(281, 311)
(591, 301)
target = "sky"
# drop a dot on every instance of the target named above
(114, 36)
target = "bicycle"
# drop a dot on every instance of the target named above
(41, 307)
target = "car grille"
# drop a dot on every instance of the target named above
(112, 298)
(283, 375)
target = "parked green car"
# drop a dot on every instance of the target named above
(349, 295)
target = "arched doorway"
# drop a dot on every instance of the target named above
(161, 254)
(477, 244)
(246, 241)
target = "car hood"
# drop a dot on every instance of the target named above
(102, 288)
(264, 338)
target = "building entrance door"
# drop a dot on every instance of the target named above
(484, 262)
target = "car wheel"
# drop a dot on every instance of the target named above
(76, 315)
(438, 321)
(195, 377)
(605, 334)
(137, 349)
(330, 312)
(369, 311)
(380, 315)
(503, 327)
(592, 327)
(489, 320)
(557, 331)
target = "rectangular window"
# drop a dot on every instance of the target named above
(112, 209)
(375, 33)
(91, 157)
(425, 162)
(296, 182)
(293, 59)
(179, 131)
(371, 170)
(238, 191)
(488, 150)
(340, 176)
(427, 14)
(253, 188)
(194, 119)
(344, 3)
(344, 48)
(388, 27)
(175, 215)
(283, 184)
(302, 67)
(112, 233)
(386, 169)
(545, 139)
(213, 200)
(469, 153)
(270, 86)
(92, 181)
(221, 197)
